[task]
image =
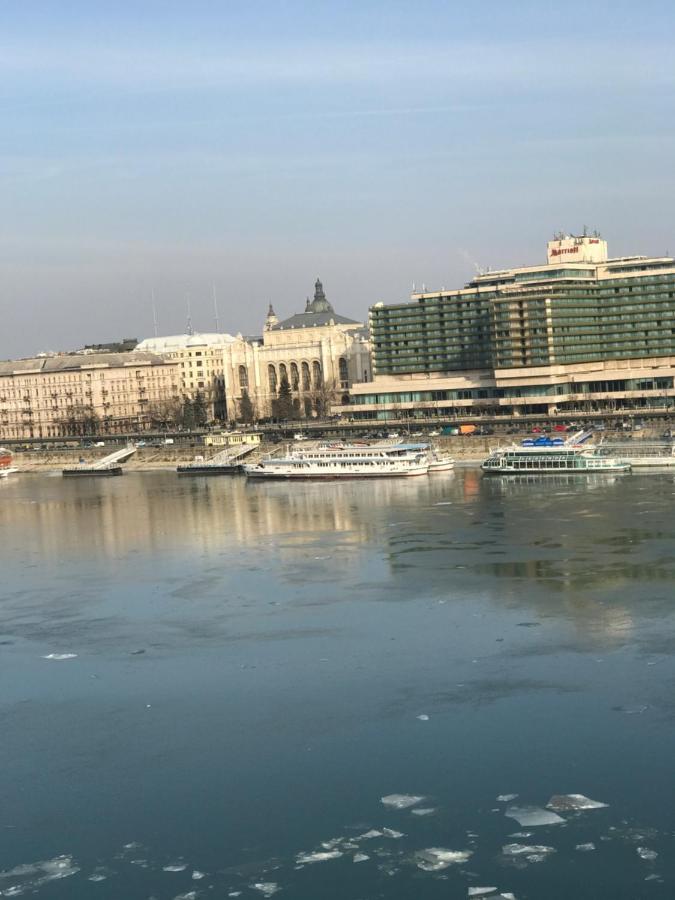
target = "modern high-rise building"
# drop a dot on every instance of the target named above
(580, 332)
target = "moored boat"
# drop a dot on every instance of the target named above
(552, 458)
(6, 467)
(335, 461)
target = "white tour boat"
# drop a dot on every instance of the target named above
(547, 457)
(330, 462)
(439, 463)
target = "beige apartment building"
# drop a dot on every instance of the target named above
(104, 393)
(199, 359)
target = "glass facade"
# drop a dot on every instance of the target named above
(526, 321)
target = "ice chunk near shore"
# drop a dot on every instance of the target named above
(60, 656)
(318, 856)
(401, 801)
(531, 852)
(532, 816)
(266, 888)
(35, 875)
(434, 859)
(573, 803)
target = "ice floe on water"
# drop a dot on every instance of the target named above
(360, 857)
(480, 891)
(434, 859)
(506, 798)
(266, 888)
(423, 811)
(60, 656)
(401, 801)
(317, 856)
(573, 803)
(423, 717)
(31, 876)
(585, 848)
(532, 816)
(532, 853)
(646, 853)
(175, 867)
(197, 875)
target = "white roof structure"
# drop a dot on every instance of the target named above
(175, 342)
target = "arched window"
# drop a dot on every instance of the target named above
(295, 376)
(308, 407)
(344, 373)
(283, 374)
(272, 376)
(243, 378)
(305, 377)
(316, 373)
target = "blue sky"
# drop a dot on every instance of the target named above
(166, 146)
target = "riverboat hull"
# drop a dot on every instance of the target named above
(89, 472)
(270, 474)
(209, 470)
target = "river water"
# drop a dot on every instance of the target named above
(250, 668)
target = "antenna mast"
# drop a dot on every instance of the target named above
(215, 308)
(154, 313)
(189, 315)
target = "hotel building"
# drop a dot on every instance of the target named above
(581, 332)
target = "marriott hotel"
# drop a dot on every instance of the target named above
(580, 333)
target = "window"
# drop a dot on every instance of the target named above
(344, 372)
(316, 374)
(272, 377)
(243, 378)
(305, 377)
(295, 376)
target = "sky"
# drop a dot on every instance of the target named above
(167, 148)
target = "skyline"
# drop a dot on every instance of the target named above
(373, 146)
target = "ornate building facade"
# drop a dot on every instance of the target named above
(320, 353)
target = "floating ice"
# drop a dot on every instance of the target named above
(480, 891)
(530, 852)
(401, 801)
(60, 656)
(35, 875)
(423, 811)
(266, 888)
(360, 857)
(532, 816)
(335, 842)
(570, 802)
(197, 875)
(318, 856)
(433, 859)
(175, 867)
(506, 798)
(390, 833)
(646, 853)
(369, 835)
(191, 895)
(585, 848)
(423, 718)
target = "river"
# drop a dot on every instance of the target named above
(209, 686)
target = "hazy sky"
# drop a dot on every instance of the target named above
(169, 145)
